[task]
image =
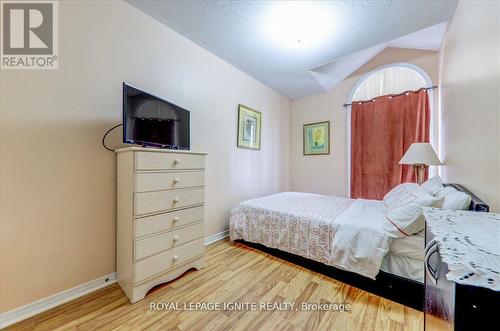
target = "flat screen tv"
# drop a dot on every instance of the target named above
(151, 121)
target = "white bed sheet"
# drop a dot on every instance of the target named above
(411, 246)
(406, 257)
(404, 266)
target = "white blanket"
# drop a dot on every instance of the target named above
(348, 234)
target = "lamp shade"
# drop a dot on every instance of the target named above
(420, 153)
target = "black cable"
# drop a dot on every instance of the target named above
(104, 137)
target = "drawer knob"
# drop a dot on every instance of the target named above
(176, 180)
(176, 238)
(176, 219)
(175, 258)
(177, 161)
(177, 199)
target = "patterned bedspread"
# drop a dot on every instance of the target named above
(322, 228)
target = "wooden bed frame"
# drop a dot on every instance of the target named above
(396, 288)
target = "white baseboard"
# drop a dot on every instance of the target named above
(21, 313)
(37, 307)
(216, 237)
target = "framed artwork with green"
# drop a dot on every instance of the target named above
(249, 127)
(317, 138)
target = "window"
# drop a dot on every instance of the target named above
(392, 79)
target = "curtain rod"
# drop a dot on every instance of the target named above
(345, 105)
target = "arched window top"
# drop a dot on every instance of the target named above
(390, 79)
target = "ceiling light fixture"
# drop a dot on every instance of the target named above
(298, 23)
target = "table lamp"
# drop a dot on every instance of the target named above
(420, 155)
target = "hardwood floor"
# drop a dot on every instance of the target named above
(234, 273)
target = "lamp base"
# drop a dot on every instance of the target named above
(419, 170)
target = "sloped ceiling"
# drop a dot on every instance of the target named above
(236, 31)
(332, 73)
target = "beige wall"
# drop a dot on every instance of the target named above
(58, 183)
(470, 87)
(328, 174)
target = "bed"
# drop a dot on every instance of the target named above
(341, 237)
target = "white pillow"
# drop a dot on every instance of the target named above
(405, 217)
(455, 200)
(433, 185)
(397, 193)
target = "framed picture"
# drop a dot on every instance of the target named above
(249, 124)
(317, 138)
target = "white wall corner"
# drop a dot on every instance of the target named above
(216, 237)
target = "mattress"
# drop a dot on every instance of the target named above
(406, 257)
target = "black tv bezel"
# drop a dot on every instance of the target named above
(126, 85)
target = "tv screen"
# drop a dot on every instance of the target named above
(151, 121)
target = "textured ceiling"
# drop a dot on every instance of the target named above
(236, 31)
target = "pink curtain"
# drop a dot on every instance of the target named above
(381, 132)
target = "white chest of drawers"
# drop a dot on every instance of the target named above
(160, 215)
